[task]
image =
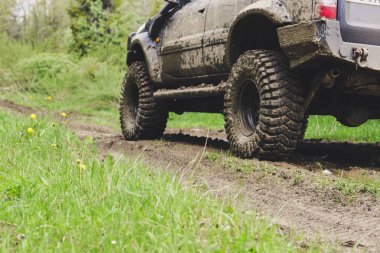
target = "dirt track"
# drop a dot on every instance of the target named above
(289, 193)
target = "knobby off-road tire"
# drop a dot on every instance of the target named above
(263, 108)
(141, 115)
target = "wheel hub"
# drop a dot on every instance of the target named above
(248, 108)
(133, 102)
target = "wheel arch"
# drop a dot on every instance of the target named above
(144, 49)
(256, 28)
(135, 53)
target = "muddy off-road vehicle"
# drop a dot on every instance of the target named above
(266, 65)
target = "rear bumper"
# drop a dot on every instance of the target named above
(306, 42)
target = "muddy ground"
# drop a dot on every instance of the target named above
(292, 194)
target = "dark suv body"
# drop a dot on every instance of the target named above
(265, 64)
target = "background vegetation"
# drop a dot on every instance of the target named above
(79, 61)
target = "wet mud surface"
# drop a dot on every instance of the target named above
(270, 188)
(291, 194)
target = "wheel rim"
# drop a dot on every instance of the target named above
(132, 102)
(248, 108)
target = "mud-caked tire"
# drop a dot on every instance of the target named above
(141, 115)
(263, 107)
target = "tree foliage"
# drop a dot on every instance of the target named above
(95, 23)
(45, 19)
(6, 14)
(86, 25)
(33, 21)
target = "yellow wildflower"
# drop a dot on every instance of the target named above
(30, 130)
(33, 116)
(48, 98)
(82, 167)
(78, 161)
(54, 124)
(54, 145)
(64, 115)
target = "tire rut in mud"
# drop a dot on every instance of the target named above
(270, 188)
(328, 213)
(336, 154)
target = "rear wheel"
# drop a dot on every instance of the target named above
(264, 112)
(141, 115)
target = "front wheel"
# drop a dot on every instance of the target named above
(263, 106)
(141, 115)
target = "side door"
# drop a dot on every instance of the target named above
(220, 17)
(181, 49)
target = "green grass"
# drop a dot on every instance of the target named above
(356, 182)
(57, 194)
(353, 188)
(328, 128)
(196, 120)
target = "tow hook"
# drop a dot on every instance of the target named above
(360, 55)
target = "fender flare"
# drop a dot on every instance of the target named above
(274, 10)
(149, 49)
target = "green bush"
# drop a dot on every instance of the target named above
(43, 66)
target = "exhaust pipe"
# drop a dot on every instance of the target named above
(326, 79)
